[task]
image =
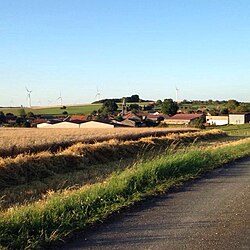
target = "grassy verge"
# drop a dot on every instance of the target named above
(42, 223)
(237, 130)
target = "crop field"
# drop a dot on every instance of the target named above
(56, 110)
(21, 140)
(72, 110)
(40, 169)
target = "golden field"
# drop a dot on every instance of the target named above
(27, 177)
(20, 140)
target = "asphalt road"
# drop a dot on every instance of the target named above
(210, 213)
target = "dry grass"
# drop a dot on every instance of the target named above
(22, 140)
(33, 175)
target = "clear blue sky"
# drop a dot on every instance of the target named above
(123, 47)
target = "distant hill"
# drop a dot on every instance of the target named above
(130, 99)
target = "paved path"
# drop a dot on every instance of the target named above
(210, 213)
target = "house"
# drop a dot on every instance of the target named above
(182, 119)
(217, 120)
(155, 119)
(240, 118)
(133, 117)
(128, 123)
(96, 124)
(78, 118)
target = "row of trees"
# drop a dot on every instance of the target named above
(109, 106)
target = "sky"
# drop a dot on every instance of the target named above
(123, 47)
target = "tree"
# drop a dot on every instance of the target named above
(109, 106)
(224, 111)
(199, 123)
(232, 105)
(134, 107)
(242, 108)
(169, 107)
(30, 115)
(2, 117)
(158, 102)
(135, 98)
(22, 113)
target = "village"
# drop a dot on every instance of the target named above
(131, 115)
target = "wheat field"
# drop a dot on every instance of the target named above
(22, 140)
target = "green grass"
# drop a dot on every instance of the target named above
(237, 130)
(42, 223)
(72, 110)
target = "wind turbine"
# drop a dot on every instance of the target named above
(176, 94)
(49, 102)
(98, 94)
(28, 96)
(60, 98)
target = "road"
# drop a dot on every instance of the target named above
(209, 213)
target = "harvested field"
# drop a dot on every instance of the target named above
(32, 175)
(31, 140)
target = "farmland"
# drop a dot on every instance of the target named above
(72, 110)
(21, 140)
(57, 110)
(44, 172)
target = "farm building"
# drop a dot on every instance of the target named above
(128, 123)
(217, 120)
(182, 119)
(44, 125)
(239, 118)
(58, 125)
(96, 124)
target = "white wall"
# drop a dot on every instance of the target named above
(58, 125)
(93, 124)
(236, 119)
(217, 120)
(44, 125)
(65, 125)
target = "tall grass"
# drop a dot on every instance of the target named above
(22, 140)
(29, 167)
(42, 223)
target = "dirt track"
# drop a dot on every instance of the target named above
(209, 213)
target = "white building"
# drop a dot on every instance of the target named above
(44, 125)
(217, 120)
(58, 125)
(96, 124)
(239, 118)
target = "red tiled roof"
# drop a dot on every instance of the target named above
(78, 118)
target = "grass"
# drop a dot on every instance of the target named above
(72, 110)
(29, 177)
(55, 110)
(22, 140)
(30, 167)
(237, 130)
(40, 224)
